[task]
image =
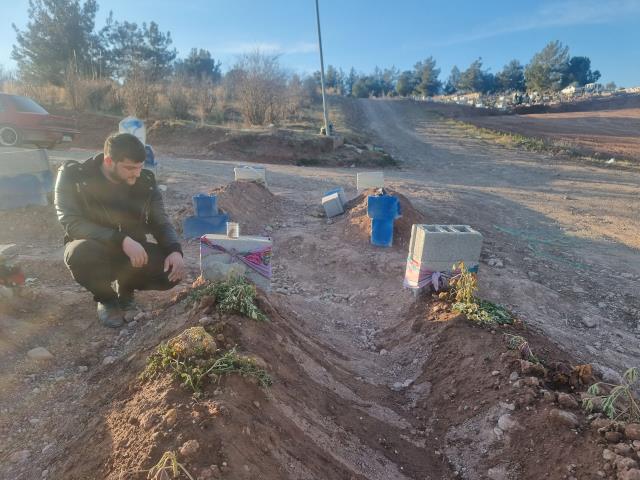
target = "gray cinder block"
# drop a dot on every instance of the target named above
(437, 247)
(332, 205)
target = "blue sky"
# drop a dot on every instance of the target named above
(366, 33)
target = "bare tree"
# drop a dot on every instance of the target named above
(261, 87)
(179, 98)
(140, 95)
(205, 98)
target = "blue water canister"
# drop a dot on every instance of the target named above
(195, 227)
(383, 206)
(205, 205)
(382, 232)
(383, 210)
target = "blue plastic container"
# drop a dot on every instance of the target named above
(383, 206)
(383, 210)
(382, 232)
(205, 205)
(195, 227)
(21, 190)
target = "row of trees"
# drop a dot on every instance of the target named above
(61, 39)
(551, 69)
(126, 67)
(127, 63)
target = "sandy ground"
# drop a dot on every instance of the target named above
(564, 232)
(608, 129)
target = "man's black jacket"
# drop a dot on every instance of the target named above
(91, 207)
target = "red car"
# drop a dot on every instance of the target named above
(23, 121)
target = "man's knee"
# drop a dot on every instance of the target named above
(80, 253)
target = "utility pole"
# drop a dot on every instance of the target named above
(324, 101)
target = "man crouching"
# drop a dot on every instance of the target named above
(116, 227)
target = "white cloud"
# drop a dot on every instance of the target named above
(268, 47)
(559, 14)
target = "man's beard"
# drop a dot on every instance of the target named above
(113, 177)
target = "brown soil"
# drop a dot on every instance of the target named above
(94, 128)
(357, 225)
(260, 145)
(606, 127)
(242, 430)
(183, 138)
(33, 225)
(251, 204)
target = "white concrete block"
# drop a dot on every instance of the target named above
(367, 180)
(219, 258)
(438, 247)
(251, 174)
(18, 161)
(340, 192)
(332, 205)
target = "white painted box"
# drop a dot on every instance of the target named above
(222, 257)
(251, 174)
(332, 205)
(365, 180)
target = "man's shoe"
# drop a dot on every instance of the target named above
(127, 303)
(126, 300)
(110, 314)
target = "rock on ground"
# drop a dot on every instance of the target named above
(39, 353)
(563, 417)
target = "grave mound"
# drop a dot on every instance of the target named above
(358, 224)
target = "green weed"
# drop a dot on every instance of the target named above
(464, 286)
(168, 465)
(194, 371)
(619, 403)
(517, 342)
(234, 295)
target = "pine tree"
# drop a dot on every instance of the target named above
(59, 34)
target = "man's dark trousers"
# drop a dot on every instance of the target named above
(94, 265)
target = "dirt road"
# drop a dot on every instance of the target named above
(609, 133)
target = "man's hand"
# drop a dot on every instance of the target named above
(174, 264)
(136, 252)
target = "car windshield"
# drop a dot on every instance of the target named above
(24, 104)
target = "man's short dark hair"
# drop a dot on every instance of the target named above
(120, 146)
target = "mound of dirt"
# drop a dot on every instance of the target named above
(357, 225)
(491, 401)
(236, 429)
(474, 405)
(250, 204)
